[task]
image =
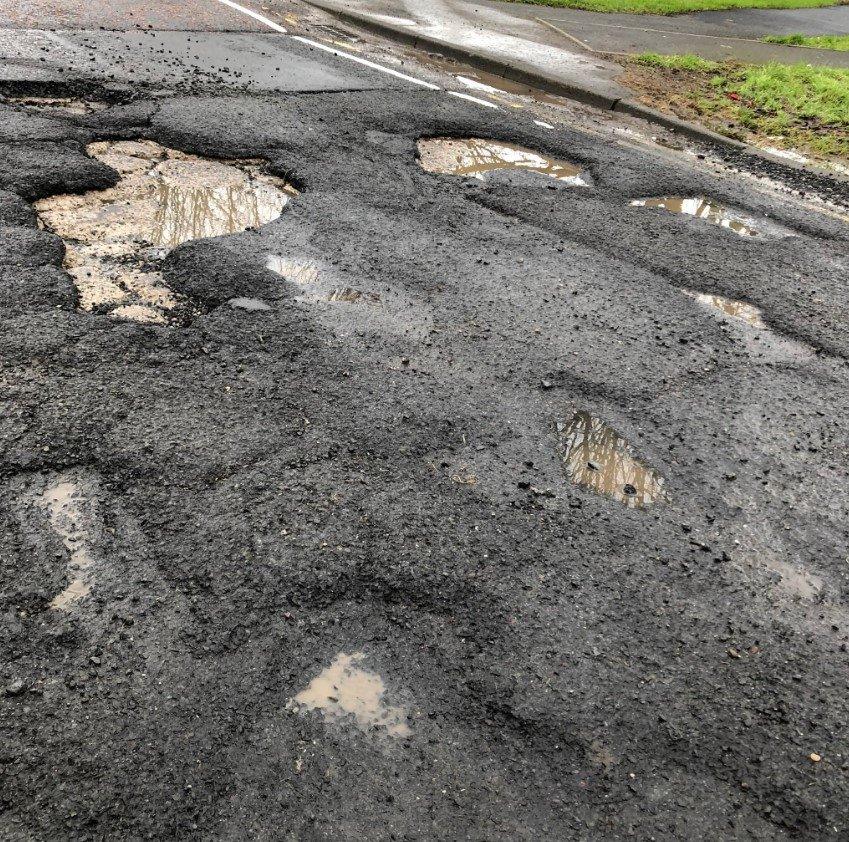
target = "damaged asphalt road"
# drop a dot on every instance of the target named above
(309, 562)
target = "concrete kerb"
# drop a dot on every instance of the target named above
(533, 78)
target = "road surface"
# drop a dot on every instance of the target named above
(421, 505)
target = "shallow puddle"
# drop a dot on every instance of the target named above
(251, 304)
(66, 508)
(59, 105)
(747, 313)
(598, 458)
(306, 275)
(475, 157)
(717, 214)
(115, 239)
(759, 340)
(346, 690)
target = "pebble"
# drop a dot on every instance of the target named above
(815, 758)
(15, 688)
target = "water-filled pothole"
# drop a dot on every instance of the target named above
(759, 339)
(739, 310)
(475, 157)
(116, 239)
(597, 457)
(58, 105)
(345, 689)
(68, 510)
(726, 217)
(306, 275)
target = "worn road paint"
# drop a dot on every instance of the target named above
(255, 15)
(365, 62)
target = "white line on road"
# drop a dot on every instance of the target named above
(337, 52)
(471, 98)
(255, 15)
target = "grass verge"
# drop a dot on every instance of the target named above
(820, 42)
(794, 106)
(677, 7)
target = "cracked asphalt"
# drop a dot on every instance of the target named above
(317, 570)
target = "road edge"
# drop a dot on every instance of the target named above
(515, 72)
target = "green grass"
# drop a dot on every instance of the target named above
(821, 42)
(677, 7)
(806, 106)
(686, 62)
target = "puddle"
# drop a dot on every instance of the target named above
(346, 690)
(475, 157)
(252, 304)
(598, 458)
(62, 105)
(67, 508)
(116, 239)
(759, 339)
(306, 275)
(747, 313)
(717, 214)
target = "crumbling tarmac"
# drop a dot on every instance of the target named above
(269, 493)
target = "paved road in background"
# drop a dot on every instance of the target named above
(511, 28)
(345, 494)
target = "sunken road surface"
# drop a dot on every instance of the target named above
(312, 566)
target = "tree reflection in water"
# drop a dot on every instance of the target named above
(598, 458)
(474, 156)
(717, 214)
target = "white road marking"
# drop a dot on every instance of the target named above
(544, 124)
(337, 52)
(471, 98)
(255, 15)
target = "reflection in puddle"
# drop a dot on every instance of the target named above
(725, 217)
(728, 307)
(475, 157)
(758, 338)
(252, 304)
(68, 510)
(59, 105)
(115, 239)
(306, 275)
(597, 457)
(344, 689)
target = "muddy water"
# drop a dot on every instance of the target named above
(597, 457)
(115, 239)
(344, 689)
(306, 275)
(717, 214)
(66, 508)
(760, 340)
(475, 157)
(747, 313)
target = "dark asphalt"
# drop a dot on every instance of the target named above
(265, 489)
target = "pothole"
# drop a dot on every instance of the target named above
(306, 275)
(345, 689)
(759, 339)
(725, 217)
(597, 457)
(475, 157)
(250, 304)
(740, 310)
(116, 239)
(69, 512)
(58, 105)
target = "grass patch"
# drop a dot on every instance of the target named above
(686, 62)
(677, 7)
(792, 105)
(820, 42)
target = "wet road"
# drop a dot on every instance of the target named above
(378, 463)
